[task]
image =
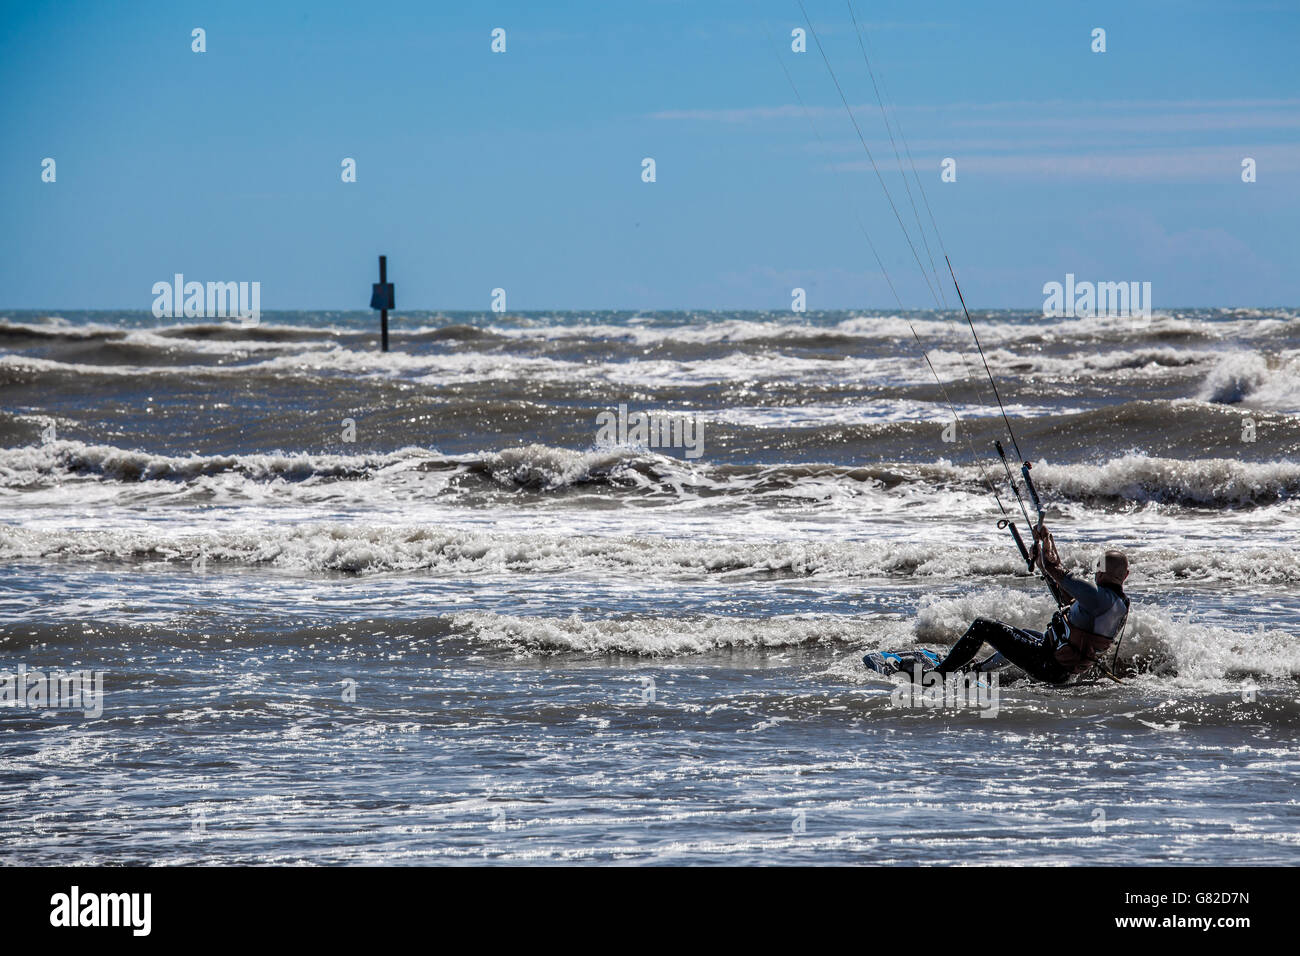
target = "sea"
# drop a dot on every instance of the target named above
(595, 588)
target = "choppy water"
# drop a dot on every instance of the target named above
(571, 650)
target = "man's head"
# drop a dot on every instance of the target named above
(1112, 568)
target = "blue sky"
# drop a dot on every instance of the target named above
(522, 170)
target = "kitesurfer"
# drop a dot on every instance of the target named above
(1078, 634)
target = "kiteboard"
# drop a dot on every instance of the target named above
(889, 663)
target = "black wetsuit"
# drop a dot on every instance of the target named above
(1031, 651)
(1094, 608)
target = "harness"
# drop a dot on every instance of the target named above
(1081, 649)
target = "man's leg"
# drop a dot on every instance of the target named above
(1027, 650)
(968, 645)
(995, 661)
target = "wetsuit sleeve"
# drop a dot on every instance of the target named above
(1089, 597)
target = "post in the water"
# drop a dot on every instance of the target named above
(381, 298)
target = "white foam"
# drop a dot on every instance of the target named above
(653, 637)
(366, 547)
(30, 465)
(1251, 379)
(1210, 482)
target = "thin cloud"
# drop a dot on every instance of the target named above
(1169, 123)
(1202, 164)
(745, 114)
(1058, 111)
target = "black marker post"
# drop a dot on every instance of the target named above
(381, 298)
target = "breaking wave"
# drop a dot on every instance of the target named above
(368, 549)
(1155, 643)
(1132, 480)
(1251, 379)
(1205, 483)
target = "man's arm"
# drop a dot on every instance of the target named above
(1048, 560)
(1086, 593)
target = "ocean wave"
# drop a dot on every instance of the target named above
(1153, 361)
(897, 410)
(1156, 643)
(19, 333)
(820, 330)
(324, 361)
(663, 331)
(542, 467)
(1204, 483)
(1252, 379)
(1129, 481)
(36, 465)
(365, 548)
(650, 637)
(54, 330)
(223, 353)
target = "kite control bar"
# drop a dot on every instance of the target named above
(1026, 553)
(1029, 554)
(1033, 492)
(1020, 542)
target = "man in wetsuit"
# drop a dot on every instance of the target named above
(1074, 640)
